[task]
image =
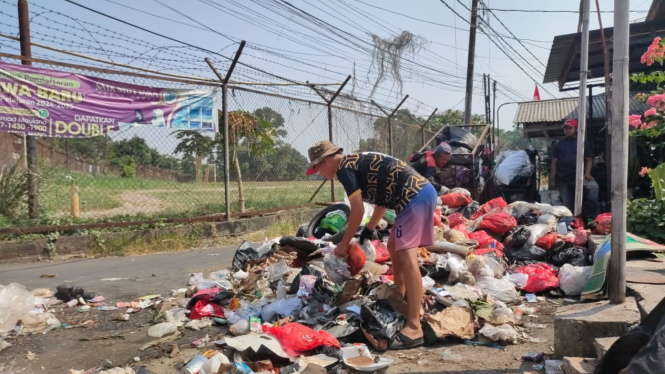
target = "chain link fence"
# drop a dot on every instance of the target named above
(136, 174)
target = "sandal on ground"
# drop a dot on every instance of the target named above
(404, 342)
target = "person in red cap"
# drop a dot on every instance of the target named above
(564, 166)
(388, 183)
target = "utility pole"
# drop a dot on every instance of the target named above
(620, 105)
(470, 63)
(30, 140)
(581, 109)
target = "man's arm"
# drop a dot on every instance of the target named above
(355, 218)
(376, 217)
(588, 163)
(430, 175)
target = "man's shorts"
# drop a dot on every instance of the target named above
(414, 225)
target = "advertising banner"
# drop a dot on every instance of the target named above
(45, 102)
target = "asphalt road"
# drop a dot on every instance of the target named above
(171, 271)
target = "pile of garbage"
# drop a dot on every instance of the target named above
(295, 299)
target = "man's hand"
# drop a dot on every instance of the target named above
(588, 178)
(366, 234)
(342, 250)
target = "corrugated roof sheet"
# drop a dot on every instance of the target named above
(558, 110)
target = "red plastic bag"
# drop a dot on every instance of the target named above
(498, 249)
(499, 202)
(547, 241)
(461, 228)
(382, 254)
(296, 338)
(455, 219)
(577, 223)
(201, 309)
(437, 217)
(455, 200)
(603, 224)
(580, 239)
(356, 259)
(499, 223)
(482, 237)
(541, 277)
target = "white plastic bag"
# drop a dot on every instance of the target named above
(478, 268)
(547, 219)
(499, 289)
(573, 278)
(212, 365)
(161, 329)
(370, 251)
(284, 307)
(449, 356)
(195, 279)
(198, 324)
(495, 266)
(15, 301)
(277, 270)
(456, 266)
(515, 163)
(559, 211)
(518, 279)
(537, 232)
(240, 328)
(502, 315)
(504, 333)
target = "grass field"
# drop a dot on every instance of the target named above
(107, 196)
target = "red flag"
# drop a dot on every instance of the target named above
(536, 94)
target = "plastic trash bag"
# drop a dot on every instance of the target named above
(558, 211)
(499, 223)
(455, 219)
(307, 269)
(499, 289)
(481, 237)
(455, 265)
(573, 278)
(547, 241)
(381, 322)
(579, 240)
(39, 323)
(603, 224)
(518, 279)
(382, 254)
(277, 270)
(469, 210)
(541, 278)
(390, 216)
(240, 328)
(161, 329)
(334, 221)
(15, 301)
(356, 258)
(537, 232)
(369, 250)
(502, 315)
(525, 253)
(337, 269)
(295, 337)
(547, 219)
(528, 218)
(576, 256)
(244, 254)
(455, 200)
(518, 238)
(478, 267)
(195, 279)
(497, 203)
(518, 208)
(504, 333)
(493, 263)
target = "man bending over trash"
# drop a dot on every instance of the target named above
(429, 165)
(388, 183)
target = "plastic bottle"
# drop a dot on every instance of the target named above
(195, 365)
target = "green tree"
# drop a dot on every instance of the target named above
(136, 148)
(195, 144)
(275, 119)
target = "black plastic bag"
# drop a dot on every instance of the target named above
(528, 218)
(302, 231)
(299, 244)
(470, 209)
(320, 232)
(525, 253)
(518, 238)
(67, 292)
(438, 274)
(223, 298)
(380, 321)
(307, 269)
(244, 254)
(576, 256)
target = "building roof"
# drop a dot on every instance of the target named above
(563, 65)
(543, 118)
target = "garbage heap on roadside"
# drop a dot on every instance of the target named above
(307, 304)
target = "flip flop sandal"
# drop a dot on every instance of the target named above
(404, 342)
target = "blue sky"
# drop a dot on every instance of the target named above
(284, 44)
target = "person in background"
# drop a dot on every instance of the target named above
(564, 161)
(388, 183)
(430, 164)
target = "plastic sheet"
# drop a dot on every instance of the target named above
(541, 278)
(282, 307)
(573, 278)
(558, 211)
(504, 333)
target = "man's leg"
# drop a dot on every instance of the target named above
(592, 190)
(567, 193)
(398, 274)
(413, 282)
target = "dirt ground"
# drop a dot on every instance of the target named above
(114, 343)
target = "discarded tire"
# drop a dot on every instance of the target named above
(316, 221)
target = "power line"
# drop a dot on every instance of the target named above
(554, 11)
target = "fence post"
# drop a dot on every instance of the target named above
(330, 123)
(390, 125)
(225, 127)
(422, 127)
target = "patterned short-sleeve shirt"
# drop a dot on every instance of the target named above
(380, 179)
